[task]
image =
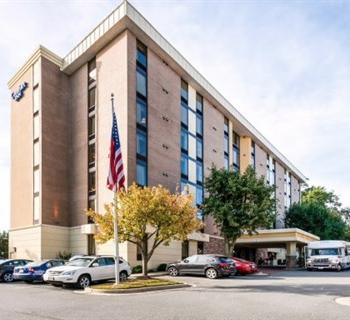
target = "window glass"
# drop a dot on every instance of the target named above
(199, 125)
(199, 195)
(184, 166)
(36, 213)
(36, 181)
(141, 173)
(191, 259)
(141, 143)
(91, 154)
(101, 262)
(36, 153)
(92, 99)
(91, 126)
(184, 140)
(36, 127)
(92, 71)
(184, 115)
(91, 204)
(92, 182)
(226, 126)
(141, 55)
(36, 100)
(226, 144)
(141, 83)
(199, 173)
(141, 114)
(226, 163)
(199, 149)
(110, 261)
(184, 91)
(235, 157)
(199, 103)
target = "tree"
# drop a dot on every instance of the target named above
(148, 217)
(238, 203)
(316, 218)
(4, 244)
(319, 195)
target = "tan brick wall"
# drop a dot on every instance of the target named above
(163, 124)
(295, 190)
(22, 155)
(111, 65)
(27, 242)
(214, 245)
(55, 141)
(245, 154)
(78, 184)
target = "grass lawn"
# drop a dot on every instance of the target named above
(136, 283)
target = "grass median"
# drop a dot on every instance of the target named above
(136, 284)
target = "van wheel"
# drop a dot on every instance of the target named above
(84, 281)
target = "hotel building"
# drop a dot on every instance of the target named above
(174, 125)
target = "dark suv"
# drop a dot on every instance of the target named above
(210, 265)
(7, 266)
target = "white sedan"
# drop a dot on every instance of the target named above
(85, 270)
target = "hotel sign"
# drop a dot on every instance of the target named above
(18, 95)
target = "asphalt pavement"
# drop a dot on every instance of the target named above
(282, 295)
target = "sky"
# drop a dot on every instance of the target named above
(284, 64)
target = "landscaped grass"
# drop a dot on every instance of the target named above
(136, 283)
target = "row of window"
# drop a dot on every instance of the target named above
(36, 143)
(141, 115)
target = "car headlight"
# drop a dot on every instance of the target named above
(308, 261)
(69, 273)
(334, 260)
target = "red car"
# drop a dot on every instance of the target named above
(244, 266)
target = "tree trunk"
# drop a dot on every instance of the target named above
(145, 258)
(229, 246)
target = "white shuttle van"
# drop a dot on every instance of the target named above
(328, 254)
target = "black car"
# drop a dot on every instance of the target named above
(210, 265)
(7, 266)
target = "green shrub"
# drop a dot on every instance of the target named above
(137, 269)
(162, 267)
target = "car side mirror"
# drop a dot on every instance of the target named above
(186, 260)
(95, 264)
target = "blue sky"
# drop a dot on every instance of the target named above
(284, 64)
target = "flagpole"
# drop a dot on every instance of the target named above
(116, 240)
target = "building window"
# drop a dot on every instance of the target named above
(200, 247)
(91, 154)
(287, 190)
(199, 149)
(185, 249)
(92, 182)
(252, 154)
(141, 115)
(141, 82)
(184, 140)
(184, 91)
(36, 209)
(184, 167)
(184, 116)
(92, 72)
(141, 173)
(236, 151)
(141, 144)
(199, 196)
(199, 104)
(36, 153)
(36, 183)
(199, 126)
(92, 203)
(91, 126)
(92, 99)
(199, 173)
(226, 145)
(36, 126)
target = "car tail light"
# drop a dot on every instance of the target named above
(223, 265)
(31, 269)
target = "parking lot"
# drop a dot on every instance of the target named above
(279, 295)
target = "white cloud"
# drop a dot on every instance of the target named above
(285, 66)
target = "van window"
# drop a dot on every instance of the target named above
(326, 252)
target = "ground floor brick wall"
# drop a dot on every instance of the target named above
(215, 245)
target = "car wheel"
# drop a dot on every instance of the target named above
(123, 276)
(211, 273)
(7, 277)
(84, 281)
(173, 271)
(339, 267)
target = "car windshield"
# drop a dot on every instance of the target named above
(80, 262)
(325, 252)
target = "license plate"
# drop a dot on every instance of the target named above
(51, 278)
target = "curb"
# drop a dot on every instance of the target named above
(137, 290)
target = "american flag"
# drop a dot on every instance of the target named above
(116, 178)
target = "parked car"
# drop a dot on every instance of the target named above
(210, 265)
(7, 267)
(34, 271)
(245, 266)
(83, 271)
